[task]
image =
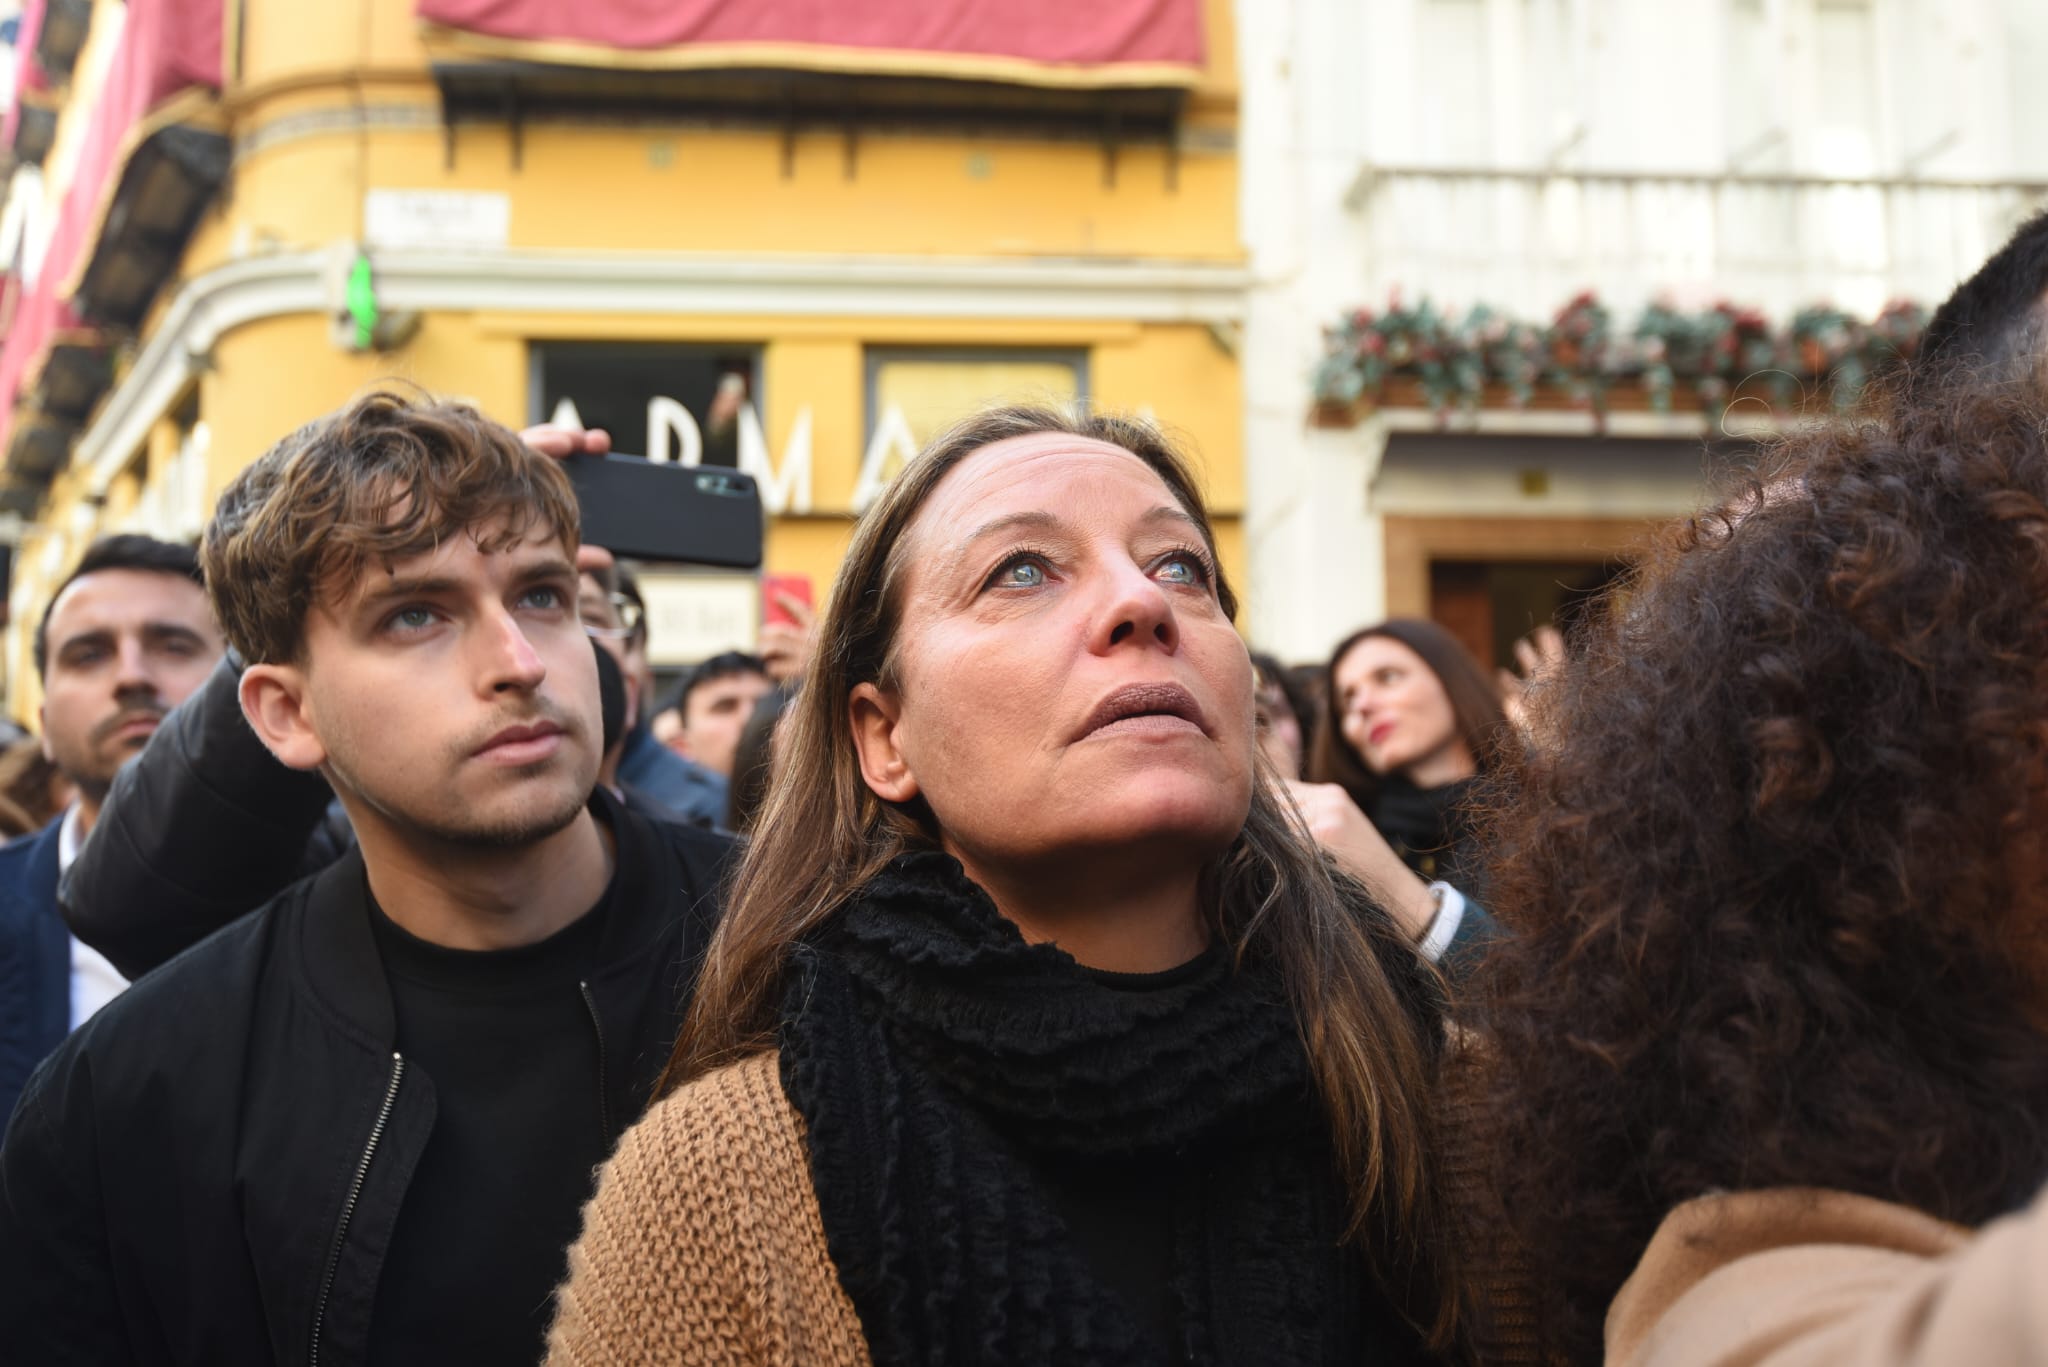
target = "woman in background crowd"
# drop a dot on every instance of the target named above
(1033, 1033)
(1408, 723)
(1780, 921)
(1283, 717)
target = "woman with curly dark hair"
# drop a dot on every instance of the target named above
(1777, 883)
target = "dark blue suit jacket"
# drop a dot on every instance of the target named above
(686, 792)
(35, 960)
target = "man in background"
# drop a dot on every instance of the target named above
(127, 637)
(712, 708)
(616, 619)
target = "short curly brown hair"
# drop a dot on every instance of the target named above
(1777, 884)
(384, 479)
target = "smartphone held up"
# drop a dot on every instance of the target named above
(661, 511)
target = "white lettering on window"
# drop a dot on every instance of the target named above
(666, 417)
(787, 490)
(892, 436)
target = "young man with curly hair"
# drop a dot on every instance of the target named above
(358, 1125)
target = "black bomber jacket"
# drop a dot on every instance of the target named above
(209, 1171)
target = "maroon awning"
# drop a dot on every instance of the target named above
(1087, 43)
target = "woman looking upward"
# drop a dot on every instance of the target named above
(1033, 1033)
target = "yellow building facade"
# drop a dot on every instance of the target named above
(806, 301)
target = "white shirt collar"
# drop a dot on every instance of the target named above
(70, 836)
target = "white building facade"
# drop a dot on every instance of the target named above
(1514, 153)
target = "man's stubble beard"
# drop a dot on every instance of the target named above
(510, 832)
(91, 774)
(90, 766)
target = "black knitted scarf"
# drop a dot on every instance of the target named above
(941, 1064)
(1429, 828)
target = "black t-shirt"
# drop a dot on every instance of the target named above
(508, 1041)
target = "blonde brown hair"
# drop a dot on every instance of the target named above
(384, 479)
(823, 834)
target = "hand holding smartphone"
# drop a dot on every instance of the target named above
(687, 514)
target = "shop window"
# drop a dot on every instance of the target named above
(2026, 45)
(1453, 128)
(1845, 88)
(654, 399)
(1751, 82)
(924, 392)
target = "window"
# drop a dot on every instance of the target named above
(1754, 130)
(2026, 53)
(929, 390)
(913, 395)
(1453, 123)
(1845, 88)
(653, 398)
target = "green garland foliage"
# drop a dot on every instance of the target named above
(1582, 354)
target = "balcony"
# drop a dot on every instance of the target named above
(149, 157)
(1526, 239)
(1115, 72)
(35, 126)
(61, 36)
(167, 182)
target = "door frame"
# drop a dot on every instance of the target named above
(1413, 542)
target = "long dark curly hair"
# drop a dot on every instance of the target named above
(1777, 876)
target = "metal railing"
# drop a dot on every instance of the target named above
(1526, 239)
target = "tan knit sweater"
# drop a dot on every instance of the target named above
(704, 1245)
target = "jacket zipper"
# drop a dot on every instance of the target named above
(604, 1106)
(348, 1208)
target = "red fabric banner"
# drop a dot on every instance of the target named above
(166, 46)
(1029, 41)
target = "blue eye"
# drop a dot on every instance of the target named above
(1022, 572)
(545, 597)
(410, 619)
(1184, 567)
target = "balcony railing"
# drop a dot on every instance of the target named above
(1526, 239)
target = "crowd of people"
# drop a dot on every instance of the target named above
(1009, 966)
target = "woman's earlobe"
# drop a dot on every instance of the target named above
(873, 716)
